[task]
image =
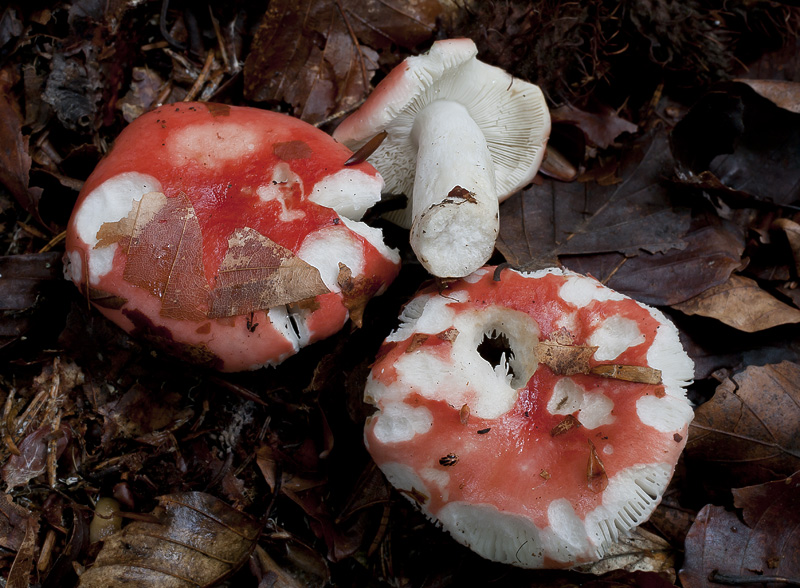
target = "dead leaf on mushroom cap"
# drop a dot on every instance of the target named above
(767, 544)
(194, 540)
(747, 433)
(164, 233)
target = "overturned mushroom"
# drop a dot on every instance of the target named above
(461, 134)
(558, 456)
(227, 236)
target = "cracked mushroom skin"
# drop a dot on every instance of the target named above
(462, 136)
(536, 418)
(227, 236)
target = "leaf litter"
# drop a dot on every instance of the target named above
(92, 415)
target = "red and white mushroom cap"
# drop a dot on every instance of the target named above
(462, 136)
(546, 454)
(228, 236)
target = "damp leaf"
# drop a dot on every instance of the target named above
(257, 274)
(742, 304)
(544, 224)
(164, 248)
(765, 544)
(193, 539)
(747, 433)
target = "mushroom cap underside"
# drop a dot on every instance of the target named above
(512, 114)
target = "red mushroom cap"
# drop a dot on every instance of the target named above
(226, 235)
(536, 458)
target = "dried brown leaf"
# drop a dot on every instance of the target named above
(783, 93)
(766, 545)
(19, 576)
(792, 231)
(639, 550)
(741, 304)
(601, 128)
(14, 523)
(257, 274)
(15, 163)
(198, 541)
(747, 433)
(548, 222)
(319, 55)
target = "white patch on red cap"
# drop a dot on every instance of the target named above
(424, 314)
(493, 534)
(405, 479)
(400, 422)
(282, 190)
(613, 336)
(213, 144)
(565, 538)
(326, 248)
(350, 192)
(569, 397)
(73, 266)
(374, 236)
(438, 478)
(108, 203)
(476, 276)
(581, 291)
(664, 414)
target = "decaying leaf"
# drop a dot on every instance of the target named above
(638, 551)
(733, 139)
(319, 56)
(747, 433)
(356, 292)
(257, 273)
(596, 477)
(713, 250)
(742, 304)
(15, 163)
(601, 128)
(563, 357)
(783, 93)
(14, 522)
(544, 223)
(766, 545)
(792, 231)
(198, 540)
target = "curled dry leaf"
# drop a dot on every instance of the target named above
(198, 540)
(741, 304)
(747, 433)
(783, 93)
(766, 545)
(792, 231)
(601, 128)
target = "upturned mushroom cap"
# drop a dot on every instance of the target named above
(532, 458)
(227, 236)
(511, 113)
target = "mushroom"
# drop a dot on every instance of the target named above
(462, 136)
(228, 236)
(537, 418)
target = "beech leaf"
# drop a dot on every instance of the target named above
(747, 433)
(257, 274)
(194, 540)
(766, 545)
(544, 223)
(741, 304)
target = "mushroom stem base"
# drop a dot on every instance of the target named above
(455, 206)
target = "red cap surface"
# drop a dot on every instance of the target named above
(228, 236)
(530, 457)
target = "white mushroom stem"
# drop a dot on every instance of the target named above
(454, 204)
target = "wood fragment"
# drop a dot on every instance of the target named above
(639, 374)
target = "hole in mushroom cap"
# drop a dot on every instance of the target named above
(496, 349)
